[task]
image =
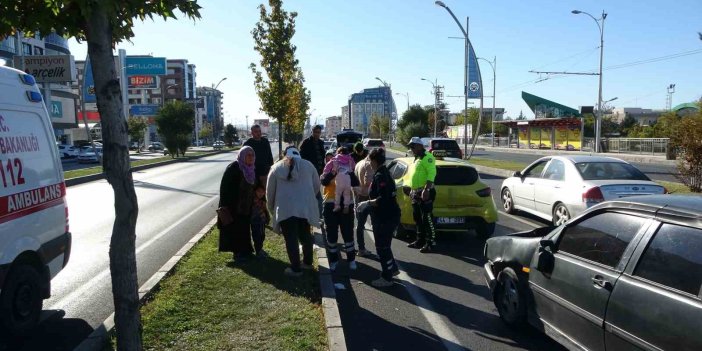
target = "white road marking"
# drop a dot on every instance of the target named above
(435, 320)
(105, 273)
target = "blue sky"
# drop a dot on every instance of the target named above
(343, 45)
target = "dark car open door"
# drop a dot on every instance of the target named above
(656, 303)
(590, 254)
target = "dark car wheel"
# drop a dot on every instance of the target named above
(507, 201)
(485, 230)
(560, 214)
(509, 298)
(21, 301)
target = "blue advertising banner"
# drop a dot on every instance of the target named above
(56, 109)
(88, 82)
(144, 110)
(475, 81)
(145, 66)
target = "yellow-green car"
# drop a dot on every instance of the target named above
(462, 202)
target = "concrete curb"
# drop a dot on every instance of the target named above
(96, 340)
(93, 177)
(638, 158)
(332, 318)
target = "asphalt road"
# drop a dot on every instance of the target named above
(654, 171)
(175, 202)
(441, 301)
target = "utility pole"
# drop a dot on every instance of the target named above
(669, 99)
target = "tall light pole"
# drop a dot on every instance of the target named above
(598, 120)
(433, 84)
(493, 64)
(214, 131)
(407, 96)
(380, 129)
(465, 81)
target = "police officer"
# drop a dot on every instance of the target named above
(385, 216)
(423, 172)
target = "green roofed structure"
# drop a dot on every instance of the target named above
(543, 108)
(686, 108)
(556, 127)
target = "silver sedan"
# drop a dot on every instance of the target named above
(557, 188)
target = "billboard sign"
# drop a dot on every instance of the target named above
(48, 68)
(142, 82)
(56, 109)
(144, 110)
(145, 66)
(88, 89)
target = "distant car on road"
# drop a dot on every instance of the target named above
(67, 151)
(625, 275)
(87, 155)
(462, 201)
(134, 145)
(327, 145)
(155, 146)
(447, 145)
(372, 144)
(218, 145)
(557, 188)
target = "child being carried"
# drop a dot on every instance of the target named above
(341, 164)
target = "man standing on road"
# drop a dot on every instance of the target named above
(364, 171)
(264, 155)
(312, 149)
(423, 172)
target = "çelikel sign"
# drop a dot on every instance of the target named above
(48, 68)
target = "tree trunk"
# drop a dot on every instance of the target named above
(116, 166)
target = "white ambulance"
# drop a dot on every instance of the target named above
(34, 239)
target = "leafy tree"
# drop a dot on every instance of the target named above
(103, 24)
(440, 125)
(281, 91)
(666, 125)
(521, 116)
(627, 124)
(137, 128)
(175, 123)
(415, 114)
(412, 129)
(687, 138)
(230, 134)
(379, 126)
(205, 131)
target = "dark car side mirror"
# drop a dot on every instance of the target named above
(546, 260)
(517, 174)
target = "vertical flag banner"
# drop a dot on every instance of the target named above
(475, 83)
(88, 83)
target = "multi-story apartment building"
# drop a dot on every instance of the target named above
(369, 102)
(212, 109)
(332, 126)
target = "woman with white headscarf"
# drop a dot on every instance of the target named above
(293, 184)
(236, 193)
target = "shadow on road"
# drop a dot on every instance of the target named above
(54, 333)
(140, 184)
(365, 330)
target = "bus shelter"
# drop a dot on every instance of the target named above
(547, 133)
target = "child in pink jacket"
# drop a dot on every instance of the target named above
(341, 164)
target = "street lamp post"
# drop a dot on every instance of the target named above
(493, 64)
(598, 120)
(407, 96)
(465, 81)
(385, 84)
(217, 96)
(436, 118)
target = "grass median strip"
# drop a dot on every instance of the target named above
(98, 169)
(209, 303)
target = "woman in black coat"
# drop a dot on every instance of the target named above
(236, 193)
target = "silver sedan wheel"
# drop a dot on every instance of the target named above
(560, 215)
(507, 202)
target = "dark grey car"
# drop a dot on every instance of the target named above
(625, 275)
